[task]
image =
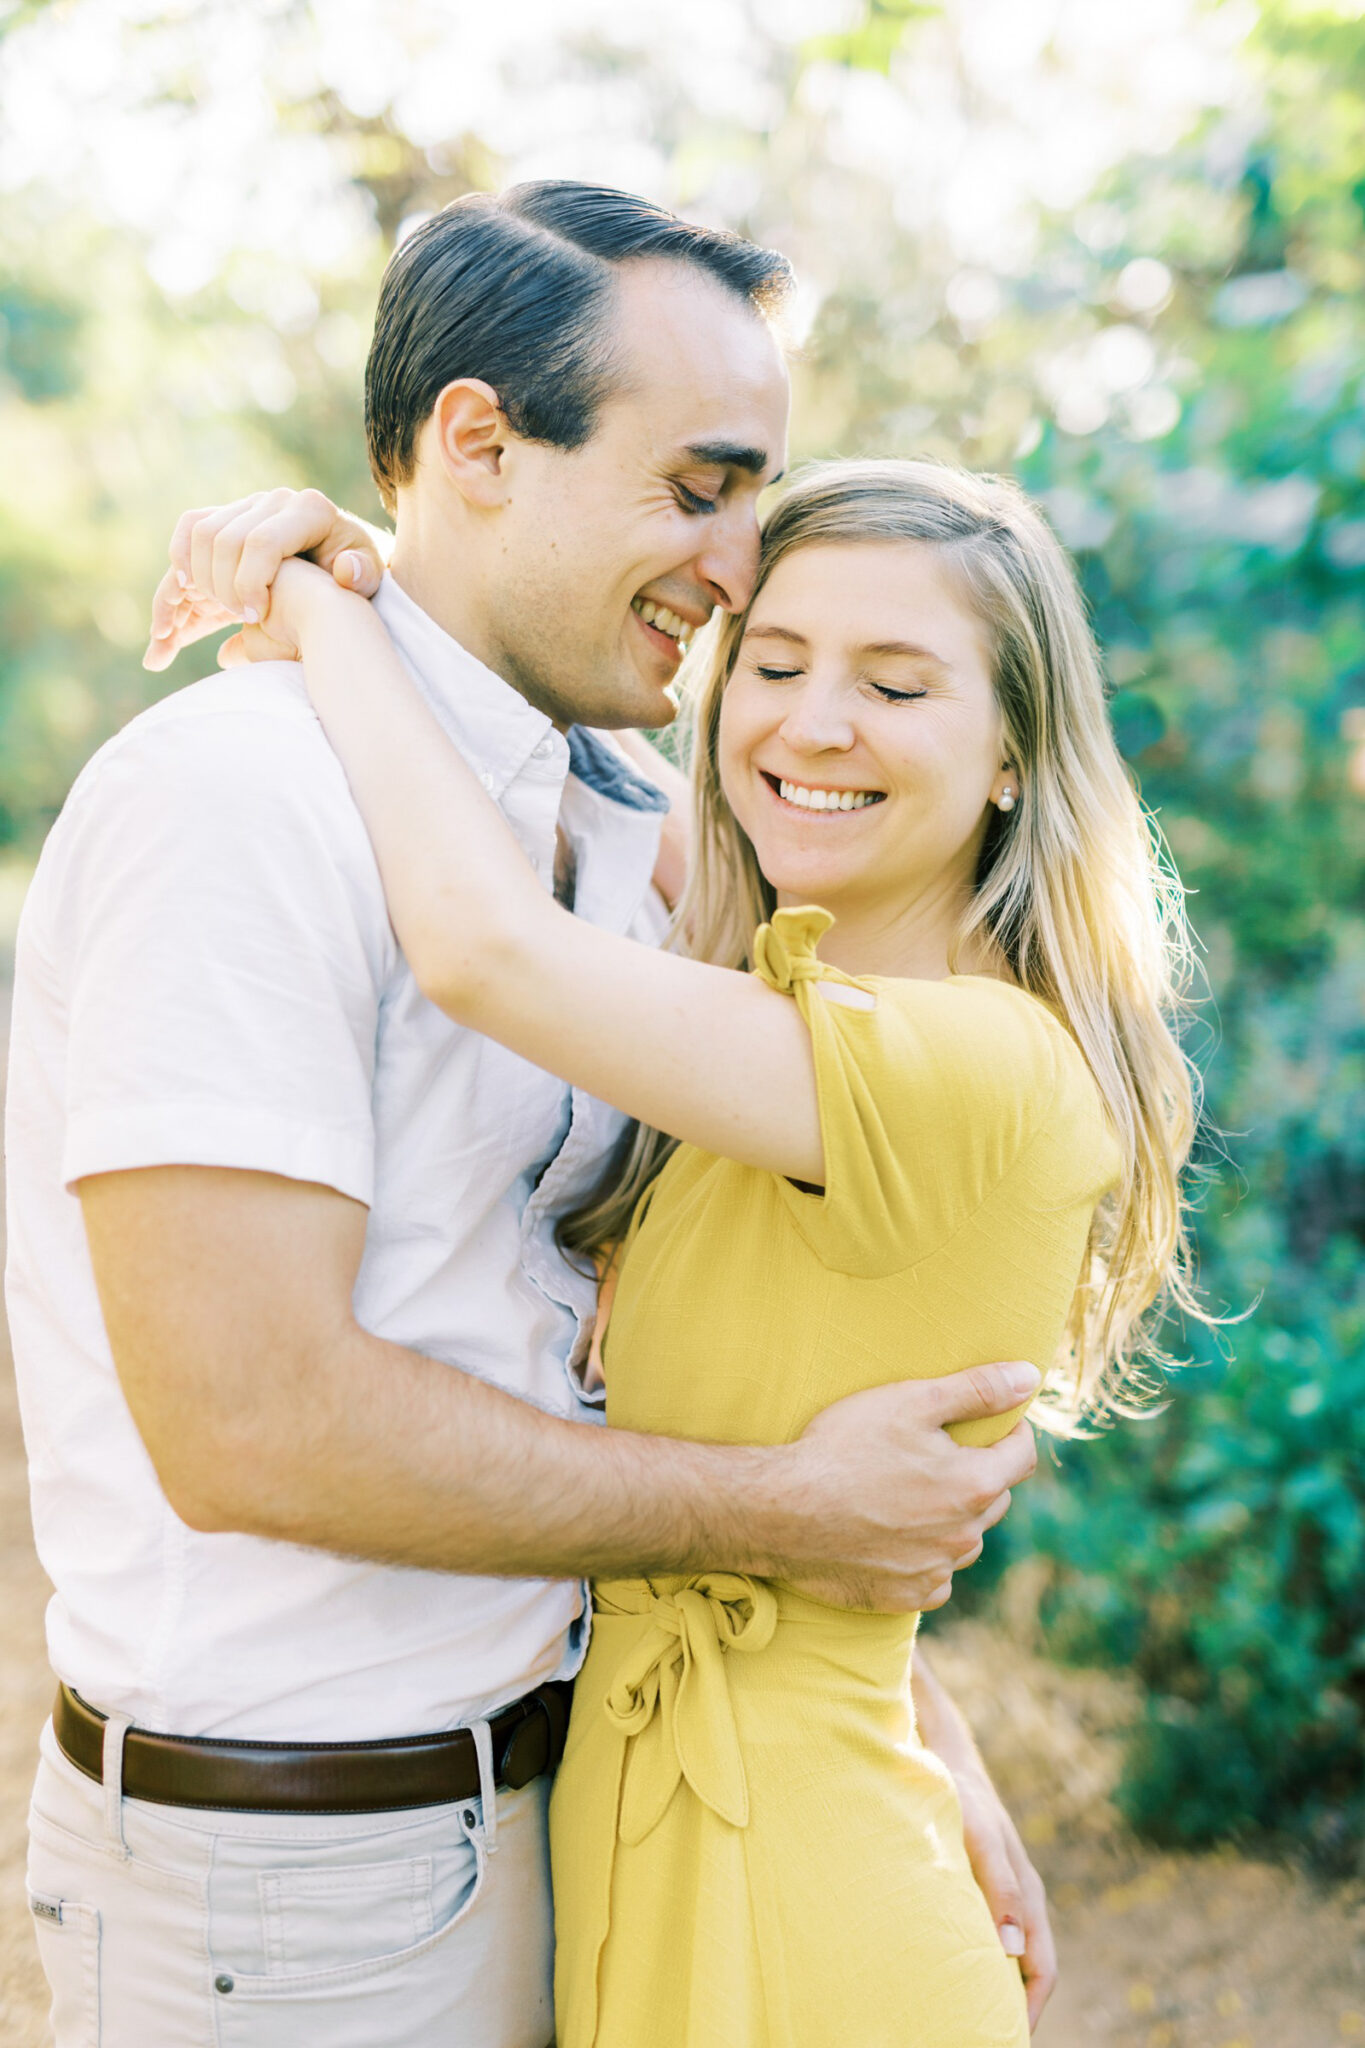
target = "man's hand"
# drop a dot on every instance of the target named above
(885, 1486)
(224, 559)
(1000, 1863)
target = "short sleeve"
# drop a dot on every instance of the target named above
(929, 1092)
(211, 908)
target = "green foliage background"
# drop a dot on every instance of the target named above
(1175, 368)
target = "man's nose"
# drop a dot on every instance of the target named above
(728, 564)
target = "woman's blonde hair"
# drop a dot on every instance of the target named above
(1074, 891)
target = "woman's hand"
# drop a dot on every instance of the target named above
(1000, 1863)
(302, 597)
(225, 559)
(1014, 1891)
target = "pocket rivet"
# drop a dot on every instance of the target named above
(469, 1817)
(222, 1983)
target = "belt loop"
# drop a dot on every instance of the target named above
(488, 1783)
(116, 1726)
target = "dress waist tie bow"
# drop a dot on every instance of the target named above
(671, 1698)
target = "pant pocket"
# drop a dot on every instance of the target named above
(411, 1992)
(68, 1933)
(314, 1920)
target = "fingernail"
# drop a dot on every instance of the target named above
(163, 632)
(1011, 1938)
(1023, 1379)
(251, 615)
(182, 579)
(353, 565)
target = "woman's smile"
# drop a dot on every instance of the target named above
(820, 800)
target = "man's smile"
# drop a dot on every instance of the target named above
(667, 629)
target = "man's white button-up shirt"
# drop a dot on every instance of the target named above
(207, 975)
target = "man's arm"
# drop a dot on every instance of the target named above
(1000, 1863)
(267, 1409)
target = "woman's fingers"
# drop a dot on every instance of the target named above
(998, 1879)
(225, 558)
(288, 523)
(254, 643)
(359, 569)
(1012, 1888)
(1039, 1960)
(203, 538)
(182, 617)
(168, 615)
(350, 550)
(182, 538)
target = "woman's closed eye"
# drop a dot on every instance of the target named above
(892, 696)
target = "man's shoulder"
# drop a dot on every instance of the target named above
(260, 712)
(229, 765)
(224, 794)
(247, 739)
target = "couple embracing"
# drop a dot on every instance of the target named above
(408, 1073)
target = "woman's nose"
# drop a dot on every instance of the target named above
(818, 722)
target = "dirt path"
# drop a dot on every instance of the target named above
(1157, 1951)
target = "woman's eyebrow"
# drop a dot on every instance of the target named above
(906, 647)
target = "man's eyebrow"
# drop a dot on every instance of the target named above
(728, 455)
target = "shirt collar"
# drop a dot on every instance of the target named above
(492, 724)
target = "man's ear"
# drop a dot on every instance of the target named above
(469, 435)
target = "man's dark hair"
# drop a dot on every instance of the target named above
(514, 289)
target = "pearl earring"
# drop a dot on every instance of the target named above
(1006, 800)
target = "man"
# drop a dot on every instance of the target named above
(298, 1357)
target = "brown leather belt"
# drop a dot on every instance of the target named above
(319, 1777)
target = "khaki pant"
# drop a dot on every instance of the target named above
(165, 1927)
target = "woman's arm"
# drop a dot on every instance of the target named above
(704, 1053)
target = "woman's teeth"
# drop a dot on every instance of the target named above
(662, 619)
(827, 799)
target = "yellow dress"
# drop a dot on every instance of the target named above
(750, 1847)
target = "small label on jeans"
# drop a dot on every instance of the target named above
(46, 1909)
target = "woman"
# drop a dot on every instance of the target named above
(941, 1119)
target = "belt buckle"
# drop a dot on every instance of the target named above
(536, 1744)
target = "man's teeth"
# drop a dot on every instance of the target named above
(660, 616)
(827, 799)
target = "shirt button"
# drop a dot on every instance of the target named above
(542, 748)
(487, 780)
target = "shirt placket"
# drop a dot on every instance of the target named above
(610, 890)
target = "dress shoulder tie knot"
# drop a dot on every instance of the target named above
(784, 948)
